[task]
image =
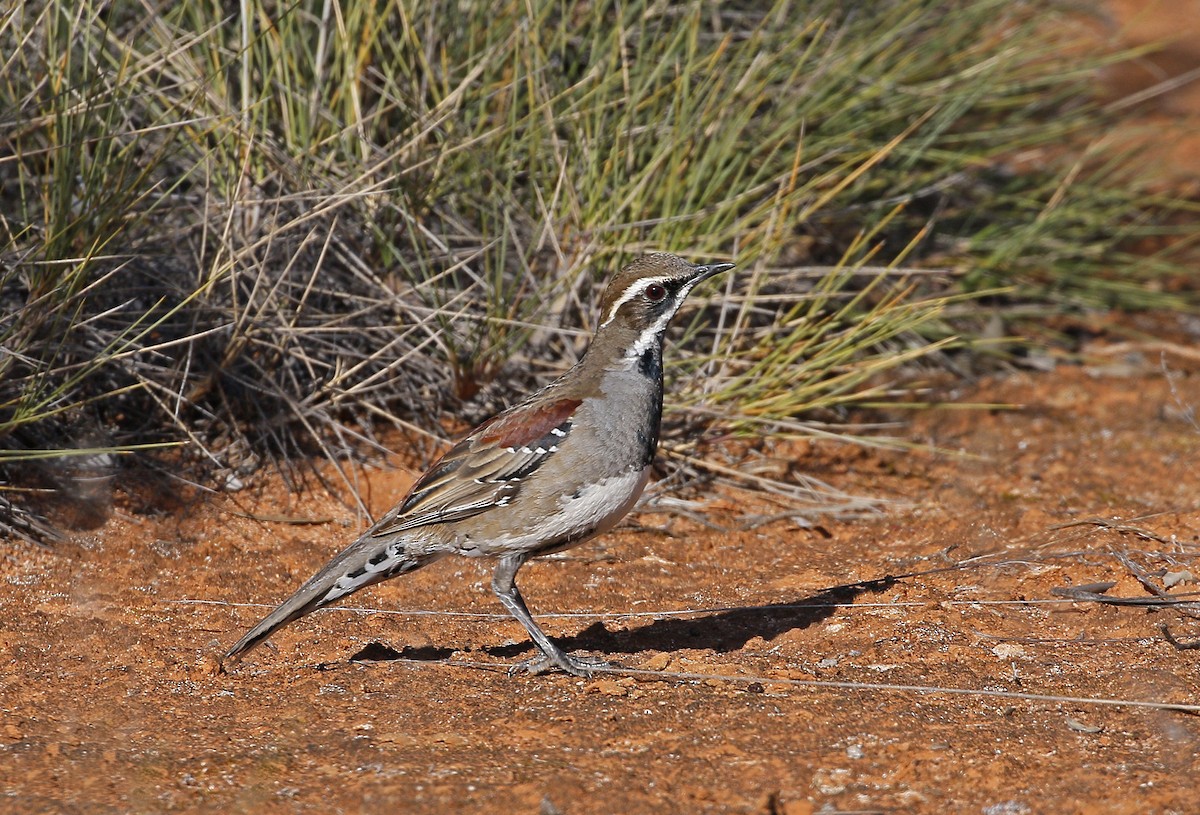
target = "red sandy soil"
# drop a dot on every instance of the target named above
(1167, 122)
(111, 701)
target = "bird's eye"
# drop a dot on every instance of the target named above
(655, 293)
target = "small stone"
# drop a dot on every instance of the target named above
(607, 687)
(1080, 727)
(1172, 579)
(831, 781)
(1009, 650)
(207, 665)
(658, 662)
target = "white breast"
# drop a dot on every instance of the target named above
(594, 509)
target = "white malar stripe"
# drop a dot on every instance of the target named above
(651, 334)
(648, 337)
(633, 291)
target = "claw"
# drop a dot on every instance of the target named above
(575, 666)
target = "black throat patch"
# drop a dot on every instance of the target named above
(650, 362)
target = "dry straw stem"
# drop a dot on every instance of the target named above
(277, 231)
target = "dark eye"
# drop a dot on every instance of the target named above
(655, 293)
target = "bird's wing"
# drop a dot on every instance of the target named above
(483, 470)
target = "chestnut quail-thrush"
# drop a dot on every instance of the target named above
(547, 474)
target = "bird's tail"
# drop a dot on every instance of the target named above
(365, 562)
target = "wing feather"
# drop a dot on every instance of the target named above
(483, 470)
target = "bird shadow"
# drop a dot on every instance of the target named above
(721, 631)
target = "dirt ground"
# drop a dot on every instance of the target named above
(111, 702)
(959, 651)
(1166, 122)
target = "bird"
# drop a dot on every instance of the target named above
(550, 472)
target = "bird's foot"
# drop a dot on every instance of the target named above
(576, 666)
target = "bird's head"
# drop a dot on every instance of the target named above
(643, 297)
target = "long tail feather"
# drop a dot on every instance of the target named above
(364, 563)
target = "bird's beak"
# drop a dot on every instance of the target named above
(705, 272)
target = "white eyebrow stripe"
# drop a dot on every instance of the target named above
(633, 291)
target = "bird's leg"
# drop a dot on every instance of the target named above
(504, 584)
